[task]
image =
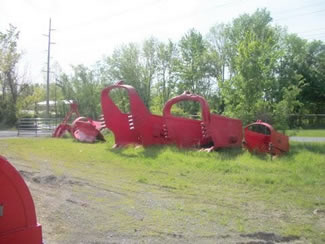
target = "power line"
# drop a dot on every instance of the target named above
(123, 12)
(298, 8)
(304, 14)
(108, 17)
(315, 34)
(312, 30)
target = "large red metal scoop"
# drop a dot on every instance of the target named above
(261, 137)
(82, 129)
(139, 126)
(64, 127)
(212, 130)
(86, 130)
(17, 211)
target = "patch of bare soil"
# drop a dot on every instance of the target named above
(74, 210)
(264, 237)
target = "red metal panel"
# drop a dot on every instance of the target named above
(213, 130)
(265, 139)
(18, 219)
(187, 132)
(85, 130)
(82, 129)
(137, 127)
(280, 143)
(141, 127)
(225, 132)
(64, 127)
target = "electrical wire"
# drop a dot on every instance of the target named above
(304, 14)
(298, 8)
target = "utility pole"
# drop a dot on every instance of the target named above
(48, 71)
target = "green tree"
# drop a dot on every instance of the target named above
(82, 88)
(166, 72)
(193, 68)
(254, 44)
(300, 69)
(217, 39)
(149, 65)
(313, 72)
(124, 64)
(193, 64)
(11, 85)
(34, 94)
(219, 63)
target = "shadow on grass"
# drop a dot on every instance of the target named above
(152, 152)
(224, 154)
(147, 152)
(229, 153)
(121, 152)
(155, 150)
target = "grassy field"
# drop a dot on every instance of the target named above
(229, 191)
(306, 132)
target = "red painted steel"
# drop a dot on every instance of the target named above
(64, 127)
(82, 129)
(17, 211)
(263, 138)
(212, 131)
(86, 130)
(137, 127)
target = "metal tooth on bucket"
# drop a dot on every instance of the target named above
(102, 121)
(131, 122)
(203, 129)
(165, 130)
(18, 222)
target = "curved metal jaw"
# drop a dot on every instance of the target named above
(17, 211)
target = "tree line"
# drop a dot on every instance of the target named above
(248, 68)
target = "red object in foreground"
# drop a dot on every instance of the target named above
(17, 211)
(261, 137)
(139, 126)
(82, 129)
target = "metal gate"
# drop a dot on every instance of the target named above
(36, 126)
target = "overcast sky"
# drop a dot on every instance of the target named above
(88, 29)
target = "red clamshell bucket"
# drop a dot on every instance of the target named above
(82, 129)
(17, 211)
(263, 138)
(138, 126)
(212, 131)
(64, 127)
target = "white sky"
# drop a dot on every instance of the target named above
(88, 29)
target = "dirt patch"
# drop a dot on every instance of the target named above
(52, 179)
(27, 175)
(48, 179)
(82, 204)
(269, 237)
